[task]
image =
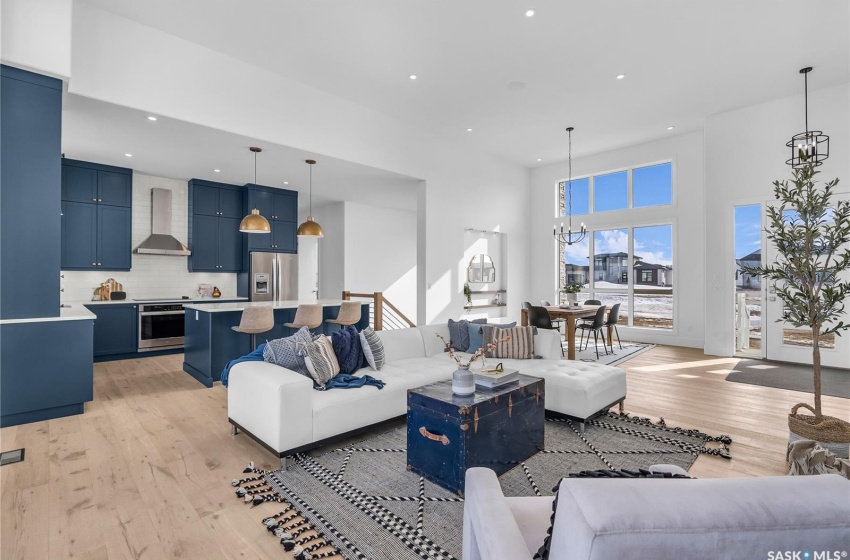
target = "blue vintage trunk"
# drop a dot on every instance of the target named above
(497, 429)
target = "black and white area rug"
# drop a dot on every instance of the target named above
(617, 357)
(367, 505)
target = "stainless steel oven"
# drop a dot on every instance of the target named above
(161, 326)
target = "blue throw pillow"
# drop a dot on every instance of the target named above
(476, 335)
(349, 352)
(459, 335)
(289, 352)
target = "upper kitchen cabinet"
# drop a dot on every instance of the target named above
(95, 183)
(215, 199)
(280, 207)
(96, 216)
(30, 204)
(215, 210)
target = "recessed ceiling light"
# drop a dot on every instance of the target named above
(469, 130)
(620, 76)
(217, 170)
(670, 127)
(128, 155)
(286, 182)
(151, 118)
(539, 159)
(529, 13)
(413, 76)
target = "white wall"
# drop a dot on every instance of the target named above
(37, 35)
(331, 249)
(152, 275)
(380, 254)
(686, 214)
(745, 152)
(122, 62)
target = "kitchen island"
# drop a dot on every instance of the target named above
(211, 342)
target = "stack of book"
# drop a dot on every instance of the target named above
(495, 380)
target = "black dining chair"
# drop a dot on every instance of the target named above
(539, 317)
(613, 317)
(556, 323)
(596, 327)
(588, 320)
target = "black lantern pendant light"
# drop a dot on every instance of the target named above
(255, 222)
(811, 146)
(570, 237)
(311, 227)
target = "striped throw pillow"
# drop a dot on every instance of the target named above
(321, 361)
(373, 348)
(520, 345)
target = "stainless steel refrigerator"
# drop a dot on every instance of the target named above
(273, 277)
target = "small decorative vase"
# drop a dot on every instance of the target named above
(463, 382)
(572, 299)
(216, 292)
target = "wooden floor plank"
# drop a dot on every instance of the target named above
(144, 473)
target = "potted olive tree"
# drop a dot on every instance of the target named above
(811, 233)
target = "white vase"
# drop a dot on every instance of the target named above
(572, 299)
(463, 382)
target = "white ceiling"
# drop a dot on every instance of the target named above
(683, 60)
(102, 132)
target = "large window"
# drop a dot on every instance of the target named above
(651, 185)
(631, 265)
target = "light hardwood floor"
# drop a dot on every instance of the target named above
(145, 472)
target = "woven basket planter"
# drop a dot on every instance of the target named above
(833, 433)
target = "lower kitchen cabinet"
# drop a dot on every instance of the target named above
(115, 329)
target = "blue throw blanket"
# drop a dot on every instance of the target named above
(348, 381)
(255, 356)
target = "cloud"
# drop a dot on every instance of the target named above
(611, 241)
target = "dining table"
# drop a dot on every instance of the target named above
(570, 315)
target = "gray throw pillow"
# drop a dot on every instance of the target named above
(459, 335)
(373, 348)
(288, 352)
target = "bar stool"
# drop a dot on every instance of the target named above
(349, 313)
(255, 320)
(307, 315)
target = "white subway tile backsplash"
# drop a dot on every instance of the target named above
(152, 275)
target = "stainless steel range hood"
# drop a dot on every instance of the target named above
(161, 242)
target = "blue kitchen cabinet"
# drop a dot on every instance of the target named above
(204, 243)
(229, 245)
(96, 216)
(79, 184)
(284, 238)
(204, 200)
(114, 189)
(30, 204)
(215, 210)
(115, 329)
(280, 208)
(84, 181)
(114, 244)
(79, 236)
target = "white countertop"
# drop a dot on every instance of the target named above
(239, 306)
(142, 300)
(72, 313)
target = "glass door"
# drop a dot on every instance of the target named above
(787, 343)
(748, 288)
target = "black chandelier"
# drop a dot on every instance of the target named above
(811, 146)
(570, 237)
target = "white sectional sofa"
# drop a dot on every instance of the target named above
(280, 409)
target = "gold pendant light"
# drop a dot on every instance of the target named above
(311, 227)
(255, 222)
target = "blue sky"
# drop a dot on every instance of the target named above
(747, 229)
